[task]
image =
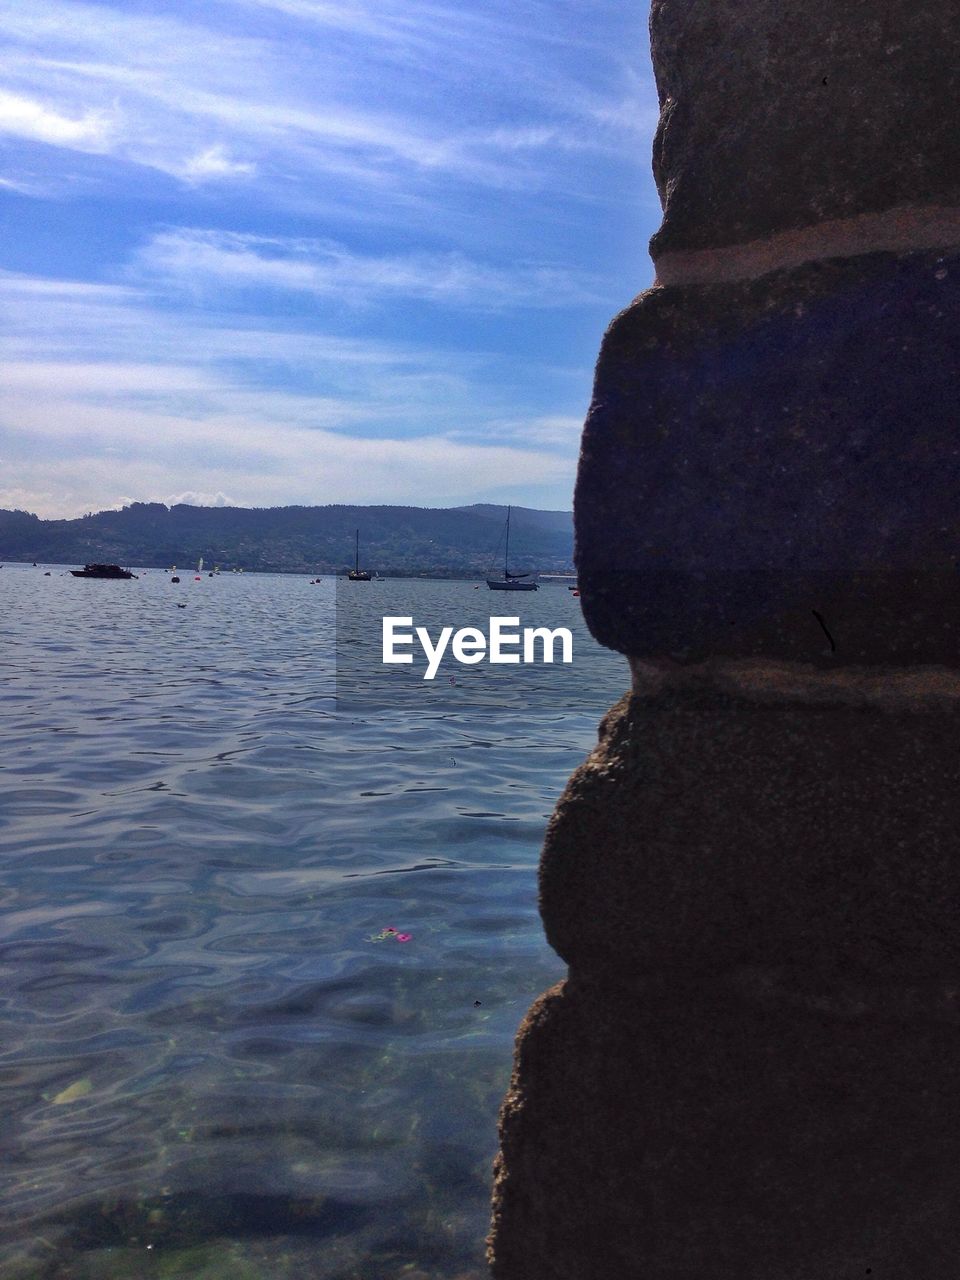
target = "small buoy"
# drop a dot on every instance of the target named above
(576, 593)
(174, 579)
(181, 606)
(47, 574)
(197, 578)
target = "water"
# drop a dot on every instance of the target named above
(213, 1061)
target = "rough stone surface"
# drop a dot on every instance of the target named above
(752, 1071)
(674, 1130)
(759, 453)
(712, 829)
(780, 115)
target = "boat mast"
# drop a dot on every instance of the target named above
(356, 563)
(506, 548)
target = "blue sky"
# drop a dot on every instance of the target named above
(277, 251)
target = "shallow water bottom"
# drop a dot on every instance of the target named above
(214, 1059)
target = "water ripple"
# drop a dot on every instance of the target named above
(209, 1039)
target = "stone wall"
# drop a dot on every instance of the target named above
(752, 1071)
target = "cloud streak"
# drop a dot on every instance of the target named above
(27, 118)
(312, 250)
(100, 451)
(189, 96)
(191, 257)
(200, 406)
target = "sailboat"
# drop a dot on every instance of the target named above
(510, 581)
(357, 574)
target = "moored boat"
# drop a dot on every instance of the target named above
(102, 571)
(357, 574)
(511, 581)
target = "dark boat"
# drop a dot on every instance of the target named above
(102, 571)
(357, 574)
(511, 581)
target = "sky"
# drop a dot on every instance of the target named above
(260, 252)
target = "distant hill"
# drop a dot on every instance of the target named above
(525, 517)
(394, 541)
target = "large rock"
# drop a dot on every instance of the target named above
(774, 429)
(825, 125)
(696, 1128)
(737, 819)
(760, 453)
(753, 1069)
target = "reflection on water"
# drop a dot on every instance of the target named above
(215, 1062)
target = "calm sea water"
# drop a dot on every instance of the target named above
(214, 1063)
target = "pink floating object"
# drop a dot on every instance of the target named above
(404, 937)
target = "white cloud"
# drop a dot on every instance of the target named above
(559, 430)
(397, 96)
(70, 458)
(21, 187)
(193, 499)
(81, 456)
(15, 284)
(190, 257)
(180, 82)
(45, 377)
(28, 118)
(377, 22)
(36, 500)
(104, 393)
(124, 333)
(215, 163)
(85, 394)
(396, 157)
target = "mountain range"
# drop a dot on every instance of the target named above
(394, 541)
